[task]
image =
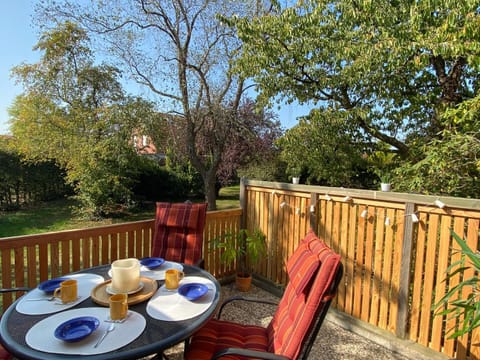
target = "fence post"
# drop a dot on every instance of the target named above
(405, 266)
(243, 204)
(313, 211)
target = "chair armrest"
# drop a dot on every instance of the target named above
(251, 354)
(242, 298)
(14, 289)
(200, 263)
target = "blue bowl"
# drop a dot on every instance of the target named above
(49, 286)
(76, 329)
(193, 291)
(152, 262)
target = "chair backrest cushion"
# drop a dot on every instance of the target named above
(312, 270)
(178, 234)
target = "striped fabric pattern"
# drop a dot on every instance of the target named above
(178, 234)
(312, 270)
(295, 314)
(218, 335)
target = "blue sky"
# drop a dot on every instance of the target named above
(17, 38)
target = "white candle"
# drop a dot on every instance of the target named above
(125, 275)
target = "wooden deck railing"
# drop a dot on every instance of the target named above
(394, 264)
(28, 260)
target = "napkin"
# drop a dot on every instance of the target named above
(41, 335)
(171, 306)
(86, 282)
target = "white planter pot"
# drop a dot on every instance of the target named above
(295, 180)
(386, 186)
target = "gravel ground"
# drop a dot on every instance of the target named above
(333, 342)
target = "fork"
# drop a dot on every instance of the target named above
(110, 329)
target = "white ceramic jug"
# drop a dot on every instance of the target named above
(125, 275)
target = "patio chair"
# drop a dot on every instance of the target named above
(178, 234)
(4, 354)
(315, 272)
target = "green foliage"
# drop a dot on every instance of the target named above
(448, 166)
(328, 150)
(388, 70)
(454, 305)
(23, 183)
(75, 113)
(383, 162)
(244, 248)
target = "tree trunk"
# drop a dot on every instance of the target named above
(210, 191)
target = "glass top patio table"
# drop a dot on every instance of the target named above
(157, 336)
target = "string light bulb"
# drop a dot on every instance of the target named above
(414, 218)
(312, 208)
(387, 221)
(347, 198)
(327, 197)
(439, 203)
(283, 204)
(364, 214)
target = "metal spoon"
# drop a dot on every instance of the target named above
(110, 329)
(42, 299)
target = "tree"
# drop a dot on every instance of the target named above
(390, 69)
(182, 52)
(75, 113)
(326, 150)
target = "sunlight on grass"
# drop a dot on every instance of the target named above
(58, 215)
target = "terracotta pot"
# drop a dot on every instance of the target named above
(243, 282)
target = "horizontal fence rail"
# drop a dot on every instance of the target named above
(28, 260)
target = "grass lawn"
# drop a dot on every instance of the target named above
(57, 215)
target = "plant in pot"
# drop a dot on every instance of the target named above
(243, 248)
(382, 165)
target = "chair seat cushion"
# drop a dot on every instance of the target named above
(4, 354)
(217, 335)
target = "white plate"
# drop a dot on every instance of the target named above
(113, 292)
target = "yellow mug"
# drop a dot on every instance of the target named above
(172, 279)
(67, 292)
(118, 306)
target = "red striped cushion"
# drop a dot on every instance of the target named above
(295, 315)
(296, 311)
(178, 234)
(302, 264)
(218, 335)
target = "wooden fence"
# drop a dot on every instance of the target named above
(395, 248)
(28, 260)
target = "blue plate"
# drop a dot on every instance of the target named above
(76, 329)
(152, 262)
(193, 291)
(49, 286)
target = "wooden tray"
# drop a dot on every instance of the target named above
(100, 296)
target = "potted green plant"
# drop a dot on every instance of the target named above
(385, 181)
(382, 164)
(243, 248)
